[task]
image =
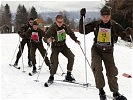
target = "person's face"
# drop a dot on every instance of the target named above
(59, 22)
(105, 18)
(35, 27)
(31, 22)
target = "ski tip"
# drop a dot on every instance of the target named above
(46, 84)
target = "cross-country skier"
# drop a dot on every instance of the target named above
(106, 32)
(56, 34)
(24, 41)
(35, 35)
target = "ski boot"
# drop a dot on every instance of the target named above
(69, 77)
(118, 96)
(102, 94)
(51, 79)
(29, 64)
(34, 69)
(15, 64)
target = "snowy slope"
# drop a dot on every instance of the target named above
(18, 85)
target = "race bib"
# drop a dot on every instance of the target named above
(61, 35)
(104, 37)
(35, 36)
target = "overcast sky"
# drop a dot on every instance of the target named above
(56, 5)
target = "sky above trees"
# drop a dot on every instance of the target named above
(45, 6)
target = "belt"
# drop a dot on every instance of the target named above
(58, 44)
(103, 47)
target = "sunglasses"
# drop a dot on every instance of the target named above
(59, 22)
(30, 22)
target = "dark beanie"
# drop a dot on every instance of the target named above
(35, 23)
(31, 19)
(105, 10)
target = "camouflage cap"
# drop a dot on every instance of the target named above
(105, 10)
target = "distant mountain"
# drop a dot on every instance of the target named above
(71, 15)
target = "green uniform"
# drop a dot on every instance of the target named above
(58, 34)
(102, 50)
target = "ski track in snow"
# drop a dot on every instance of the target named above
(18, 85)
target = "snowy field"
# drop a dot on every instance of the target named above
(18, 85)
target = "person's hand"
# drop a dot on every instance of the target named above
(49, 40)
(78, 42)
(29, 28)
(128, 31)
(82, 12)
(21, 35)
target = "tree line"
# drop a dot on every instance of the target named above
(7, 20)
(122, 12)
(21, 17)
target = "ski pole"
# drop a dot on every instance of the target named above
(39, 61)
(21, 54)
(84, 46)
(131, 38)
(14, 53)
(42, 65)
(85, 56)
(61, 69)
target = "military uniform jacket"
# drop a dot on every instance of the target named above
(116, 30)
(39, 32)
(23, 29)
(59, 34)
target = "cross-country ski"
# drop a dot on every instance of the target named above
(32, 73)
(14, 66)
(76, 83)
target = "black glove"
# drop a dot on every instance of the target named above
(21, 35)
(77, 41)
(82, 12)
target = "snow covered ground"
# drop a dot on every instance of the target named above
(18, 85)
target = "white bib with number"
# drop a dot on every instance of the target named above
(104, 37)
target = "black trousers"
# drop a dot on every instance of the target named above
(54, 58)
(21, 48)
(42, 50)
(98, 56)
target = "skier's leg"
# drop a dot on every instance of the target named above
(21, 47)
(54, 60)
(32, 53)
(44, 55)
(54, 64)
(96, 66)
(70, 56)
(29, 58)
(111, 71)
